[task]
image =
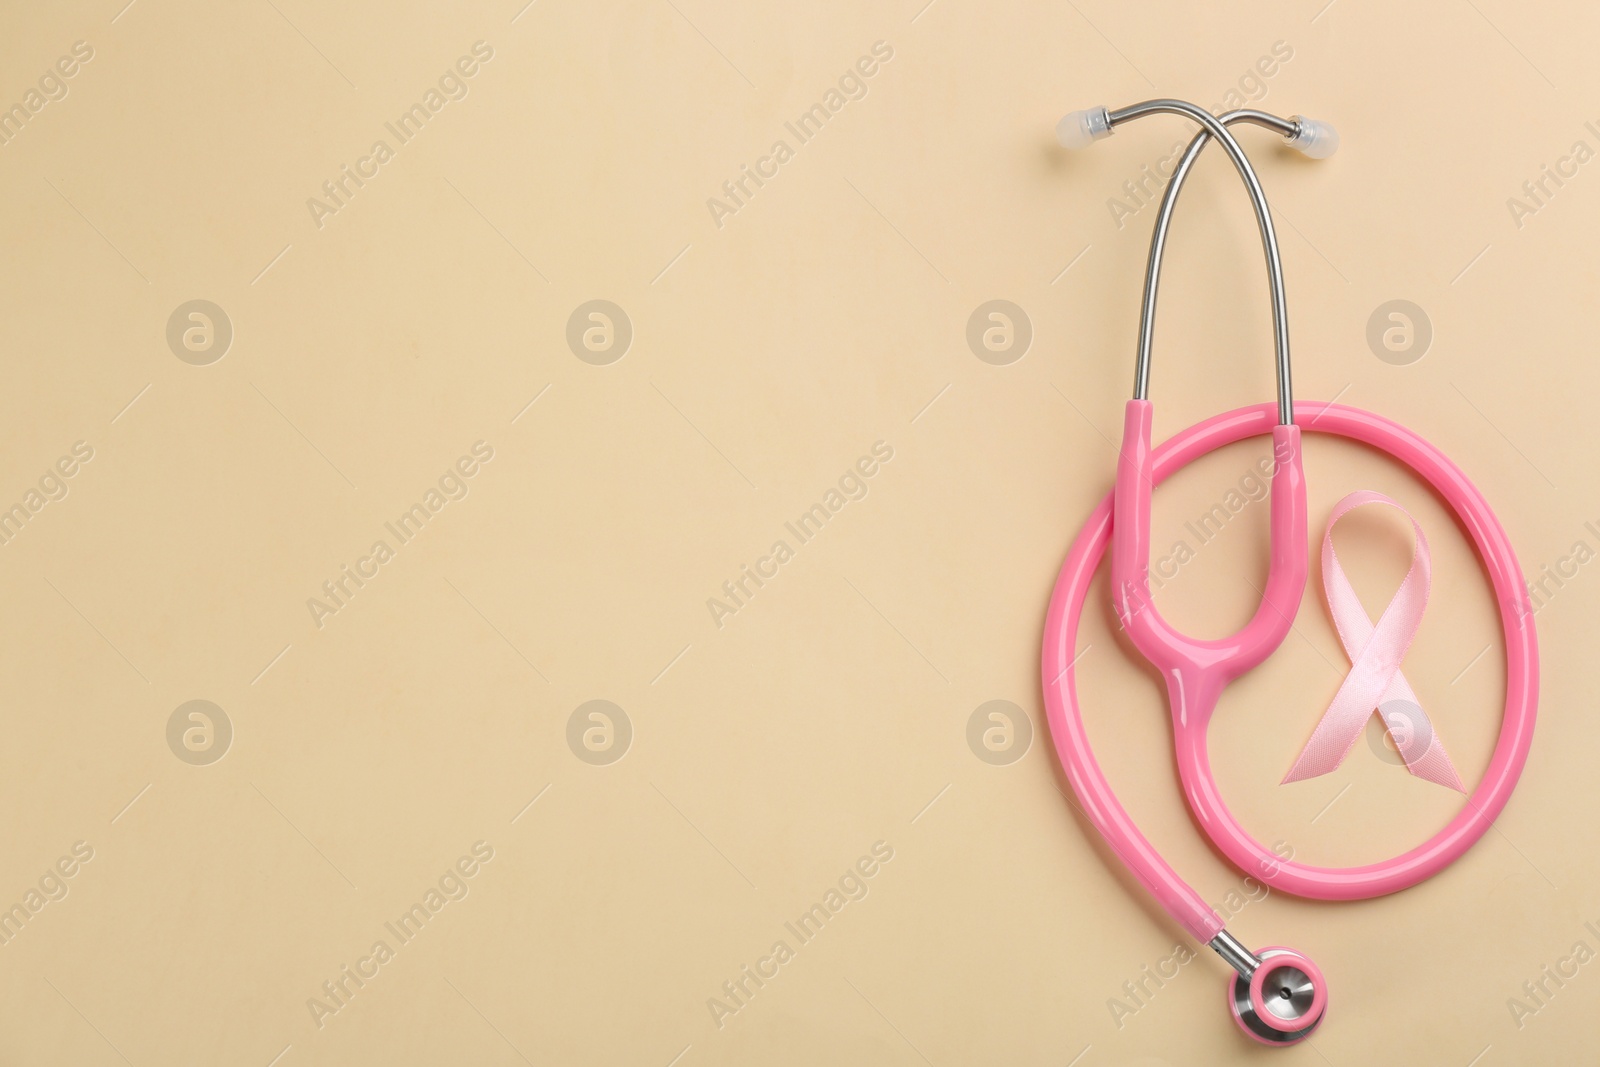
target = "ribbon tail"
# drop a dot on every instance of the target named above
(1334, 736)
(1435, 766)
(1432, 762)
(1403, 716)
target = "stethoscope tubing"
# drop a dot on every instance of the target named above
(1100, 804)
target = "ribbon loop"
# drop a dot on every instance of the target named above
(1375, 681)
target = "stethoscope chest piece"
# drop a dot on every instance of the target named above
(1283, 1001)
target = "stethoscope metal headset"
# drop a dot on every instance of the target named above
(1277, 995)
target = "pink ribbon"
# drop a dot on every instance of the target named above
(1375, 681)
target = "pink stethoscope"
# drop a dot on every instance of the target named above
(1278, 996)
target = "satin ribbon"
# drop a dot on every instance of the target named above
(1375, 651)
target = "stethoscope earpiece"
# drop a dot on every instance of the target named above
(1311, 137)
(1079, 129)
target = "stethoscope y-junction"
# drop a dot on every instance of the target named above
(1277, 995)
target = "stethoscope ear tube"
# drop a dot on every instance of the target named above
(1212, 127)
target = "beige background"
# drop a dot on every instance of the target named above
(768, 354)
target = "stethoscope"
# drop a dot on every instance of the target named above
(1278, 996)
